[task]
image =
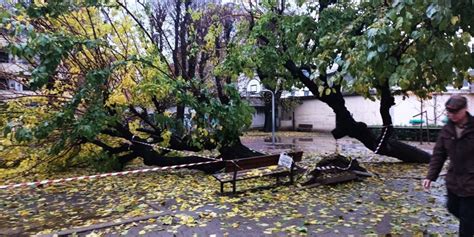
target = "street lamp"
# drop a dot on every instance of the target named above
(273, 114)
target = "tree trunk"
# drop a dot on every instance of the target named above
(384, 145)
(237, 150)
(156, 157)
(267, 99)
(267, 125)
(347, 126)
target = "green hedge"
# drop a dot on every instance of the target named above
(411, 133)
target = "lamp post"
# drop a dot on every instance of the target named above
(273, 113)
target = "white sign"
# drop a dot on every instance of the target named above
(285, 160)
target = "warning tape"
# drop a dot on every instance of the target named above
(331, 167)
(382, 139)
(169, 149)
(90, 177)
(63, 180)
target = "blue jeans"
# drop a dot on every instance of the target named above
(463, 209)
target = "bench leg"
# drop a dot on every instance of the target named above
(234, 181)
(222, 187)
(291, 174)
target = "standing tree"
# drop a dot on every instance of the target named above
(201, 32)
(397, 47)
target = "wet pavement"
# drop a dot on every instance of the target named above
(188, 202)
(317, 142)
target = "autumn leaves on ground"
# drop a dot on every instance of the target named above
(185, 202)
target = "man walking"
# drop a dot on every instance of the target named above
(456, 141)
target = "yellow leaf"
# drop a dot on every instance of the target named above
(311, 222)
(454, 20)
(24, 212)
(168, 220)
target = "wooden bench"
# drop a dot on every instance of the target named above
(305, 127)
(258, 166)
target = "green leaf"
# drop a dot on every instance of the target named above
(120, 209)
(454, 20)
(372, 32)
(7, 129)
(302, 229)
(23, 134)
(328, 91)
(415, 34)
(320, 90)
(382, 48)
(466, 37)
(431, 11)
(371, 55)
(399, 23)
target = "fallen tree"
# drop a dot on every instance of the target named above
(107, 88)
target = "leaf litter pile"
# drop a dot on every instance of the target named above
(185, 202)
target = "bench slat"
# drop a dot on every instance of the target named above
(254, 167)
(248, 174)
(259, 161)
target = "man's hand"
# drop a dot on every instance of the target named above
(426, 184)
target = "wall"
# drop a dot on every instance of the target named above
(317, 113)
(258, 118)
(406, 109)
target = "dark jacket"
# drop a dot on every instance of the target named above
(460, 151)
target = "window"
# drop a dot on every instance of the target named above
(25, 87)
(4, 57)
(3, 84)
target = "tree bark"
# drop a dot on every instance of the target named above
(347, 126)
(267, 126)
(237, 150)
(155, 157)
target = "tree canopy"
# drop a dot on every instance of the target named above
(414, 46)
(104, 74)
(101, 80)
(390, 47)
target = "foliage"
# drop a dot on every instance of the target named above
(414, 46)
(103, 162)
(417, 46)
(191, 202)
(98, 81)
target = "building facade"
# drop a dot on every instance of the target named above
(310, 113)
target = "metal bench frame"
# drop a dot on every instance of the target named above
(244, 166)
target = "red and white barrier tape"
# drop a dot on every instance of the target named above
(331, 167)
(169, 149)
(382, 139)
(63, 180)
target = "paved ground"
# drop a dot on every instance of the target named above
(187, 203)
(322, 143)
